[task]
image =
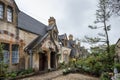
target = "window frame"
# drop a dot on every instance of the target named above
(6, 53)
(15, 54)
(2, 10)
(9, 14)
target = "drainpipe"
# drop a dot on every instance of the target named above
(31, 58)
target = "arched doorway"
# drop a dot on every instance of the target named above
(53, 60)
(42, 61)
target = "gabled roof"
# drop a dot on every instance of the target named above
(63, 36)
(30, 24)
(73, 49)
(118, 41)
(37, 42)
(70, 43)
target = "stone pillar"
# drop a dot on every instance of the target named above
(5, 13)
(31, 58)
(26, 61)
(10, 62)
(48, 54)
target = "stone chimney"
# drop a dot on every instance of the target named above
(70, 37)
(79, 43)
(51, 21)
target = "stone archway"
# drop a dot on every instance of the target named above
(42, 62)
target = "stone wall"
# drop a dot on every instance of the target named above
(8, 27)
(27, 37)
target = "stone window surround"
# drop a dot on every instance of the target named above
(6, 6)
(9, 14)
(15, 53)
(10, 53)
(2, 4)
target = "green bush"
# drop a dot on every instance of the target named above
(105, 76)
(23, 72)
(63, 65)
(3, 66)
(13, 74)
(96, 63)
(66, 71)
(117, 65)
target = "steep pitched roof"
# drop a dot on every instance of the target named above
(30, 24)
(70, 43)
(63, 36)
(73, 49)
(27, 23)
(118, 41)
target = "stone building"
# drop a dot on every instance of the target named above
(69, 48)
(64, 50)
(72, 45)
(83, 52)
(27, 42)
(117, 49)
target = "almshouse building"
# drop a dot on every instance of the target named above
(27, 43)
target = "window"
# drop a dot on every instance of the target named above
(1, 11)
(9, 14)
(15, 54)
(6, 56)
(6, 53)
(65, 57)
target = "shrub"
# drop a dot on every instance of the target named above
(105, 76)
(66, 71)
(3, 66)
(117, 65)
(63, 65)
(13, 74)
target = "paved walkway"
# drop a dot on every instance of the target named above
(46, 76)
(75, 77)
(57, 75)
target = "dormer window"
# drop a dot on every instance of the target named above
(1, 11)
(9, 14)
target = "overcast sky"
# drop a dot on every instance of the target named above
(72, 16)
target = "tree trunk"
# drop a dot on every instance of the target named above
(105, 28)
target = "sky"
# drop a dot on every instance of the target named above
(72, 16)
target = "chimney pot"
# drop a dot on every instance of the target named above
(51, 21)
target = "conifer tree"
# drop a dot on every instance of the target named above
(103, 15)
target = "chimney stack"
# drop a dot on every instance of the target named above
(51, 21)
(70, 37)
(79, 43)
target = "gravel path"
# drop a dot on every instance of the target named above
(57, 75)
(75, 77)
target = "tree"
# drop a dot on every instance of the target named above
(114, 6)
(102, 17)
